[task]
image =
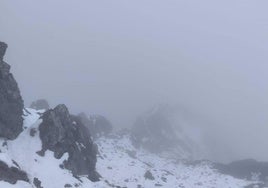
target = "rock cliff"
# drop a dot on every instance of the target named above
(11, 108)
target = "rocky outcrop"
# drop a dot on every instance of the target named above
(161, 131)
(96, 124)
(153, 131)
(11, 174)
(3, 47)
(37, 183)
(62, 133)
(11, 108)
(40, 104)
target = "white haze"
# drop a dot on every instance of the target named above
(119, 58)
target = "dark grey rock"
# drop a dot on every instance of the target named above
(11, 108)
(40, 104)
(97, 125)
(37, 183)
(62, 133)
(11, 174)
(148, 175)
(32, 132)
(3, 47)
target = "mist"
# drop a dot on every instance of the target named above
(120, 58)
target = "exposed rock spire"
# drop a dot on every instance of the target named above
(11, 108)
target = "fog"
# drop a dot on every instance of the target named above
(119, 58)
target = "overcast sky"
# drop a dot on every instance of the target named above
(119, 58)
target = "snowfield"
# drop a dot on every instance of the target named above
(119, 164)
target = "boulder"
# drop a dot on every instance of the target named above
(148, 175)
(11, 108)
(97, 125)
(63, 133)
(11, 174)
(40, 104)
(37, 183)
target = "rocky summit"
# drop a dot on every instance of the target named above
(11, 108)
(62, 133)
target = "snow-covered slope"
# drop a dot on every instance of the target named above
(119, 164)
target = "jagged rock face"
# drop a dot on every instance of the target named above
(97, 125)
(62, 133)
(40, 104)
(11, 108)
(11, 174)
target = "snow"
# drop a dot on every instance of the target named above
(119, 168)
(19, 184)
(119, 163)
(6, 158)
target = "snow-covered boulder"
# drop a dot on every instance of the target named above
(11, 107)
